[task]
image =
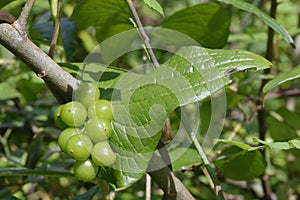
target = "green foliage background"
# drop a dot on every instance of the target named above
(31, 164)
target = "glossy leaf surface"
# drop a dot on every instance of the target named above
(141, 102)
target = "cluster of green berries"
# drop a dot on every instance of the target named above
(87, 127)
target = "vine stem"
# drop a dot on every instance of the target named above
(208, 167)
(143, 34)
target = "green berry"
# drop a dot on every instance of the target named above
(98, 129)
(79, 147)
(86, 94)
(103, 155)
(85, 170)
(73, 114)
(65, 136)
(57, 119)
(100, 109)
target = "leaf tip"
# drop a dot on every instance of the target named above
(265, 89)
(293, 45)
(155, 5)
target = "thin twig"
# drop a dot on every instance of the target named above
(56, 29)
(21, 22)
(167, 132)
(143, 34)
(296, 53)
(217, 186)
(283, 93)
(261, 112)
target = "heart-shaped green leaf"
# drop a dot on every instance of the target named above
(142, 102)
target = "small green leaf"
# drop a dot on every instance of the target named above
(274, 145)
(237, 164)
(236, 143)
(282, 78)
(295, 143)
(255, 139)
(207, 24)
(280, 145)
(263, 16)
(155, 5)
